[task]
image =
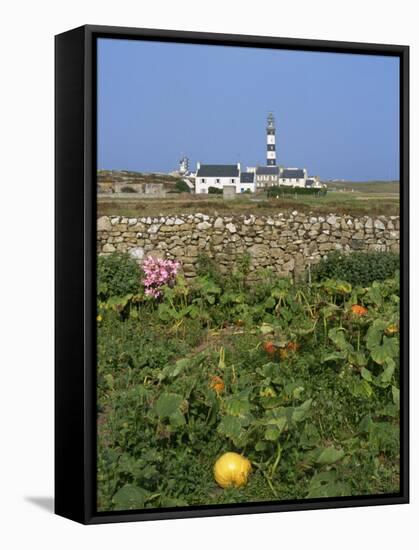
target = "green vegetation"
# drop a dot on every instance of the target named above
(283, 190)
(182, 186)
(117, 275)
(358, 268)
(303, 380)
(214, 191)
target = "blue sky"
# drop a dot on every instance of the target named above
(336, 114)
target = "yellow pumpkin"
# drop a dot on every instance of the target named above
(232, 470)
(391, 329)
(267, 392)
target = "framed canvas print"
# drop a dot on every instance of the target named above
(231, 274)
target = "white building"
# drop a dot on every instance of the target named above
(293, 177)
(220, 175)
(267, 176)
(297, 177)
(247, 182)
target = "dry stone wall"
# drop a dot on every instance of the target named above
(285, 242)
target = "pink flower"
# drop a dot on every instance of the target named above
(158, 273)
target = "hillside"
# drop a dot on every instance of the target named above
(110, 177)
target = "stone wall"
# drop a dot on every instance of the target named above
(285, 242)
(138, 190)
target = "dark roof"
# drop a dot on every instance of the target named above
(218, 170)
(247, 177)
(292, 173)
(267, 170)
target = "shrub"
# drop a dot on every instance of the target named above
(357, 268)
(208, 267)
(182, 187)
(117, 275)
(214, 191)
(238, 277)
(128, 189)
(282, 190)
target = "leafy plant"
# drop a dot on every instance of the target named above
(357, 268)
(117, 275)
(208, 268)
(214, 191)
(182, 186)
(283, 190)
(302, 380)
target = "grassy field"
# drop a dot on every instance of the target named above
(366, 187)
(366, 198)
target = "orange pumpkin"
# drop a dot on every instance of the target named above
(269, 347)
(358, 310)
(217, 384)
(292, 346)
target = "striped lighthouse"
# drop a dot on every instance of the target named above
(270, 141)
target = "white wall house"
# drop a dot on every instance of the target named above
(247, 182)
(272, 176)
(220, 175)
(293, 177)
(267, 176)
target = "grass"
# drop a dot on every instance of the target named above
(367, 187)
(344, 197)
(355, 203)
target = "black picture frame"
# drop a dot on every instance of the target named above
(75, 251)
